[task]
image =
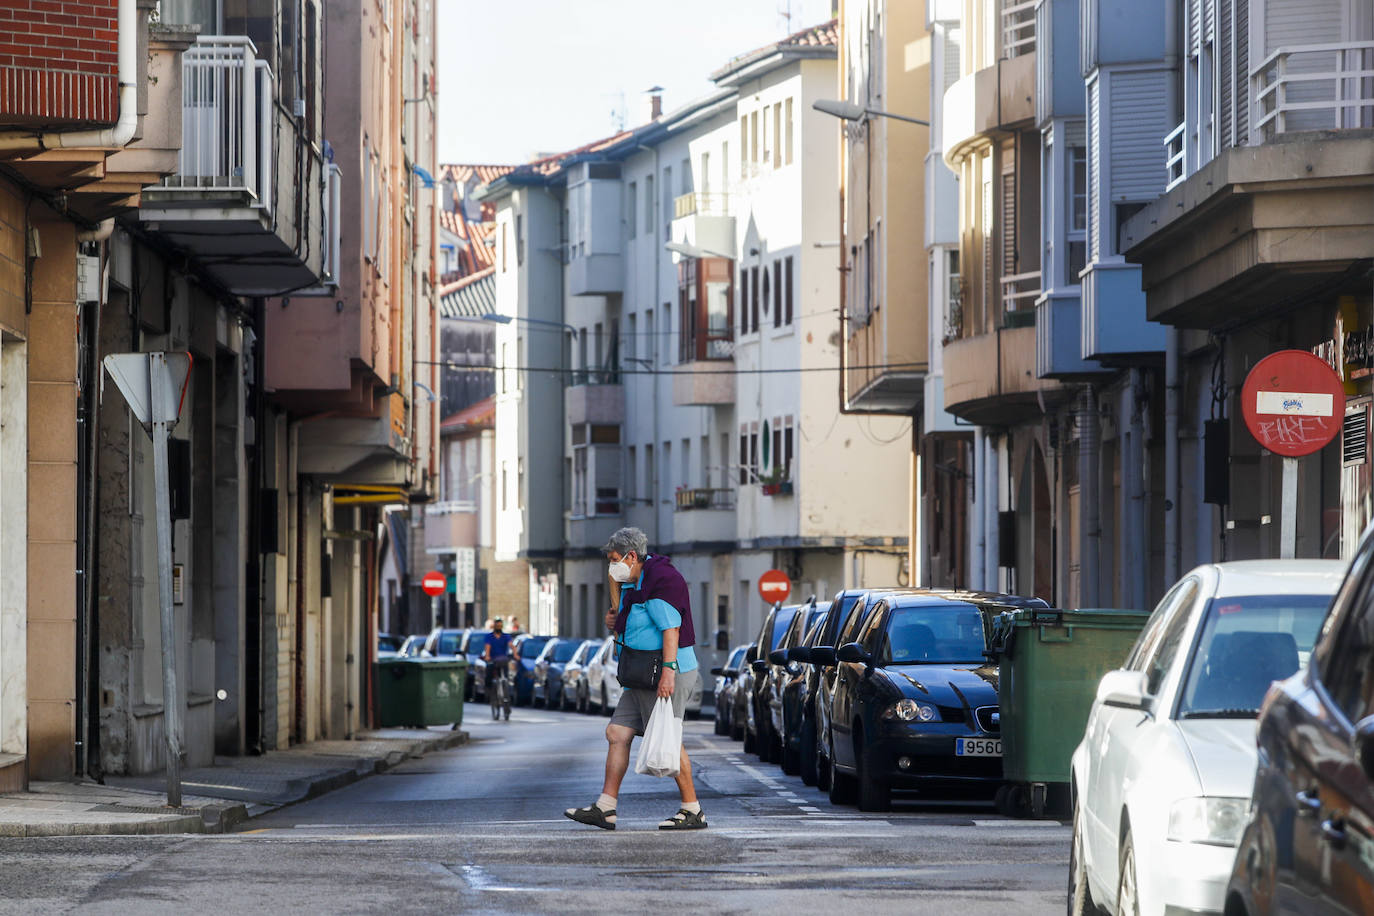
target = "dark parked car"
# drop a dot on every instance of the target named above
(526, 649)
(575, 676)
(851, 607)
(743, 706)
(443, 642)
(915, 702)
(548, 671)
(759, 736)
(1309, 843)
(388, 645)
(726, 677)
(785, 723)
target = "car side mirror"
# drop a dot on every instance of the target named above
(759, 665)
(1123, 688)
(799, 654)
(1364, 745)
(823, 656)
(777, 657)
(717, 670)
(729, 672)
(853, 653)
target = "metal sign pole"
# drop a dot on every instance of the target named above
(1288, 511)
(171, 704)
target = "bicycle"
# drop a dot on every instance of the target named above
(499, 693)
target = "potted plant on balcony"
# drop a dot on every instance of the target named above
(701, 499)
(776, 482)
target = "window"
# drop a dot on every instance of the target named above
(631, 347)
(777, 135)
(754, 137)
(744, 301)
(1076, 162)
(667, 323)
(1347, 672)
(632, 211)
(766, 291)
(776, 445)
(667, 199)
(631, 473)
(754, 299)
(665, 476)
(579, 478)
(787, 294)
(650, 496)
(1158, 644)
(649, 204)
(519, 238)
(787, 446)
(777, 294)
(788, 148)
(685, 176)
(686, 458)
(743, 455)
(705, 173)
(753, 450)
(743, 144)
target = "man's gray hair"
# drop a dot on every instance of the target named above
(628, 540)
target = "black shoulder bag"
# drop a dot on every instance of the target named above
(638, 668)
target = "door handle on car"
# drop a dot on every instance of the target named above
(1333, 831)
(1309, 802)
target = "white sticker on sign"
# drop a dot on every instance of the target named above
(1293, 403)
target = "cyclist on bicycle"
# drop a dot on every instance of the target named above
(496, 653)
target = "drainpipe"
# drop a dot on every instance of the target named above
(110, 137)
(975, 514)
(662, 332)
(991, 556)
(1171, 379)
(1089, 439)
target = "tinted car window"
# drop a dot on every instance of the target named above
(475, 643)
(736, 658)
(849, 632)
(1161, 659)
(1159, 619)
(1348, 674)
(941, 634)
(531, 648)
(564, 651)
(448, 643)
(1246, 644)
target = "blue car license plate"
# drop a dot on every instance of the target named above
(978, 747)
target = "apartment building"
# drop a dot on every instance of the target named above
(682, 275)
(1262, 241)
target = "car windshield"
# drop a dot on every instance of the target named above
(565, 650)
(942, 634)
(448, 644)
(476, 642)
(531, 648)
(1246, 644)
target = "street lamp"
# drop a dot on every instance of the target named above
(853, 111)
(507, 319)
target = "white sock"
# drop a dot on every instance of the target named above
(692, 807)
(606, 802)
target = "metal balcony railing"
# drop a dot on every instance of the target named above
(704, 203)
(1176, 153)
(1313, 87)
(1018, 28)
(1019, 291)
(689, 498)
(226, 117)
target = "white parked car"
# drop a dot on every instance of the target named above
(1162, 778)
(603, 690)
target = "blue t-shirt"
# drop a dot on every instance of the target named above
(644, 627)
(499, 643)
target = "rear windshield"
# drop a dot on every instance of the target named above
(935, 635)
(448, 643)
(476, 643)
(1245, 645)
(531, 648)
(564, 651)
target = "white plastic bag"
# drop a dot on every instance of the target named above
(660, 750)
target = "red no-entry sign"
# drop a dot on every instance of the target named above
(774, 586)
(1293, 403)
(434, 583)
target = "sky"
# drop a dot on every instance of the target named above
(518, 78)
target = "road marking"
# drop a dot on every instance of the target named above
(810, 810)
(1015, 823)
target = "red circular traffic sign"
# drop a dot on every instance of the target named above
(774, 586)
(1293, 403)
(434, 583)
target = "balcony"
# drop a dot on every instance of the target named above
(1313, 87)
(986, 102)
(1114, 322)
(991, 380)
(704, 514)
(1019, 292)
(225, 204)
(703, 226)
(1059, 338)
(596, 397)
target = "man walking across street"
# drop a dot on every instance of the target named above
(653, 612)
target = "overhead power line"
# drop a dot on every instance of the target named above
(607, 372)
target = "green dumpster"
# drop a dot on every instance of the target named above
(420, 691)
(1050, 662)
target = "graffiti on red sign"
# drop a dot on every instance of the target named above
(1282, 430)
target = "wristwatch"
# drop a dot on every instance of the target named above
(671, 666)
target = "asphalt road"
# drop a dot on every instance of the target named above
(479, 829)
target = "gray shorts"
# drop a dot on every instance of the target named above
(637, 704)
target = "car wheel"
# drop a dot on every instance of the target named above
(722, 727)
(1080, 897)
(1127, 900)
(738, 732)
(874, 792)
(749, 741)
(842, 787)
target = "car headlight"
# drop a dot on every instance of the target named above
(1213, 821)
(911, 711)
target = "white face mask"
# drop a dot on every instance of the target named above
(620, 571)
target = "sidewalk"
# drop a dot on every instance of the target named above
(215, 798)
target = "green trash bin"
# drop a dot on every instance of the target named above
(420, 691)
(1050, 662)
